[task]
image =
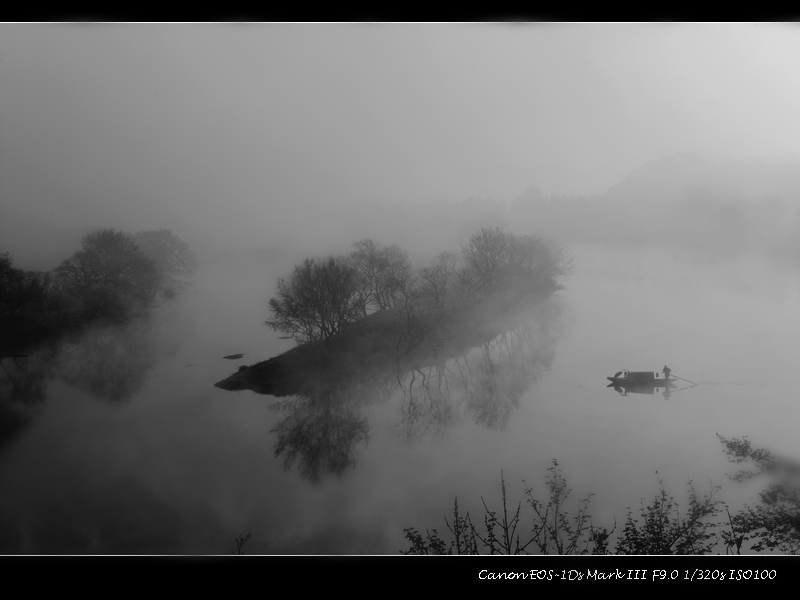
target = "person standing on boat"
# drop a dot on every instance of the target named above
(666, 371)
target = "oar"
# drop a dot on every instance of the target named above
(686, 380)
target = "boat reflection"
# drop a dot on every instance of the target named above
(648, 387)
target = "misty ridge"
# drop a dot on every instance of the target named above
(720, 210)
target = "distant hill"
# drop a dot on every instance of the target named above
(686, 176)
(682, 201)
(665, 179)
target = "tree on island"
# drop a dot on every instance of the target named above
(319, 299)
(512, 266)
(174, 261)
(500, 271)
(383, 272)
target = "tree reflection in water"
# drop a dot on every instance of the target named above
(324, 430)
(486, 384)
(22, 391)
(110, 363)
(324, 433)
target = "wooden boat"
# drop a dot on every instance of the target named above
(627, 378)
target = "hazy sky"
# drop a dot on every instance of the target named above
(239, 129)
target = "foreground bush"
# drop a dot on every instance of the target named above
(556, 528)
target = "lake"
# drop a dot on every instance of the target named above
(125, 445)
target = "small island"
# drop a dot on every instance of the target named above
(371, 312)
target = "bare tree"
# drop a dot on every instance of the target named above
(319, 299)
(19, 289)
(664, 530)
(383, 273)
(438, 281)
(175, 263)
(514, 267)
(486, 255)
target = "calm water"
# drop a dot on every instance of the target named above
(130, 450)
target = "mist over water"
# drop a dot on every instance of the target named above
(267, 145)
(181, 466)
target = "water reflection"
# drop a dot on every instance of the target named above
(650, 388)
(22, 391)
(22, 380)
(322, 434)
(644, 387)
(110, 363)
(324, 430)
(486, 383)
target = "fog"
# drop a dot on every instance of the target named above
(663, 156)
(249, 133)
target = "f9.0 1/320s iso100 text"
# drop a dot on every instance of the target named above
(634, 574)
